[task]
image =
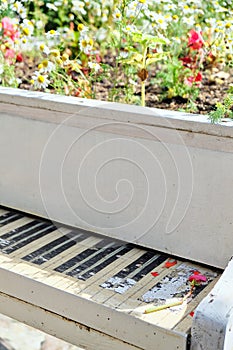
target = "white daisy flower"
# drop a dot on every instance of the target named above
(44, 48)
(27, 27)
(19, 8)
(46, 66)
(78, 6)
(190, 21)
(40, 81)
(95, 66)
(52, 34)
(51, 6)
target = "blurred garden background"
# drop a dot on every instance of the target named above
(158, 53)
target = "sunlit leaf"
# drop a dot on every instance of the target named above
(135, 59)
(155, 58)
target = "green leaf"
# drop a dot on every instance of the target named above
(147, 39)
(137, 37)
(135, 59)
(156, 57)
(154, 39)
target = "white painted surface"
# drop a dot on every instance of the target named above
(212, 322)
(149, 177)
(76, 308)
(109, 110)
(59, 327)
(228, 341)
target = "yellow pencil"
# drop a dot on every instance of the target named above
(166, 306)
(162, 307)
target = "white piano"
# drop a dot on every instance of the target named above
(106, 211)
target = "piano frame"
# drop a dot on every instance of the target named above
(187, 163)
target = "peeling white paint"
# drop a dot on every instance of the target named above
(175, 284)
(119, 285)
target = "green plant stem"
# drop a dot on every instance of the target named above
(143, 93)
(143, 83)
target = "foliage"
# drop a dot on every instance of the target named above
(223, 110)
(175, 42)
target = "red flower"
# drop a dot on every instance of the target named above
(198, 77)
(195, 40)
(186, 60)
(19, 57)
(190, 80)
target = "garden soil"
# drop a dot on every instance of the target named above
(213, 89)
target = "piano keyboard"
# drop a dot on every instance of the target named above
(88, 269)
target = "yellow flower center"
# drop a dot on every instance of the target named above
(26, 31)
(55, 53)
(65, 57)
(41, 79)
(45, 63)
(58, 61)
(80, 27)
(84, 43)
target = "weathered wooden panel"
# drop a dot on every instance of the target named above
(60, 327)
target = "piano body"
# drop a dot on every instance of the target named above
(107, 210)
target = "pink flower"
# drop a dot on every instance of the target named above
(9, 53)
(9, 29)
(195, 40)
(98, 58)
(189, 81)
(197, 278)
(193, 79)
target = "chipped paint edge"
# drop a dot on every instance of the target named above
(213, 318)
